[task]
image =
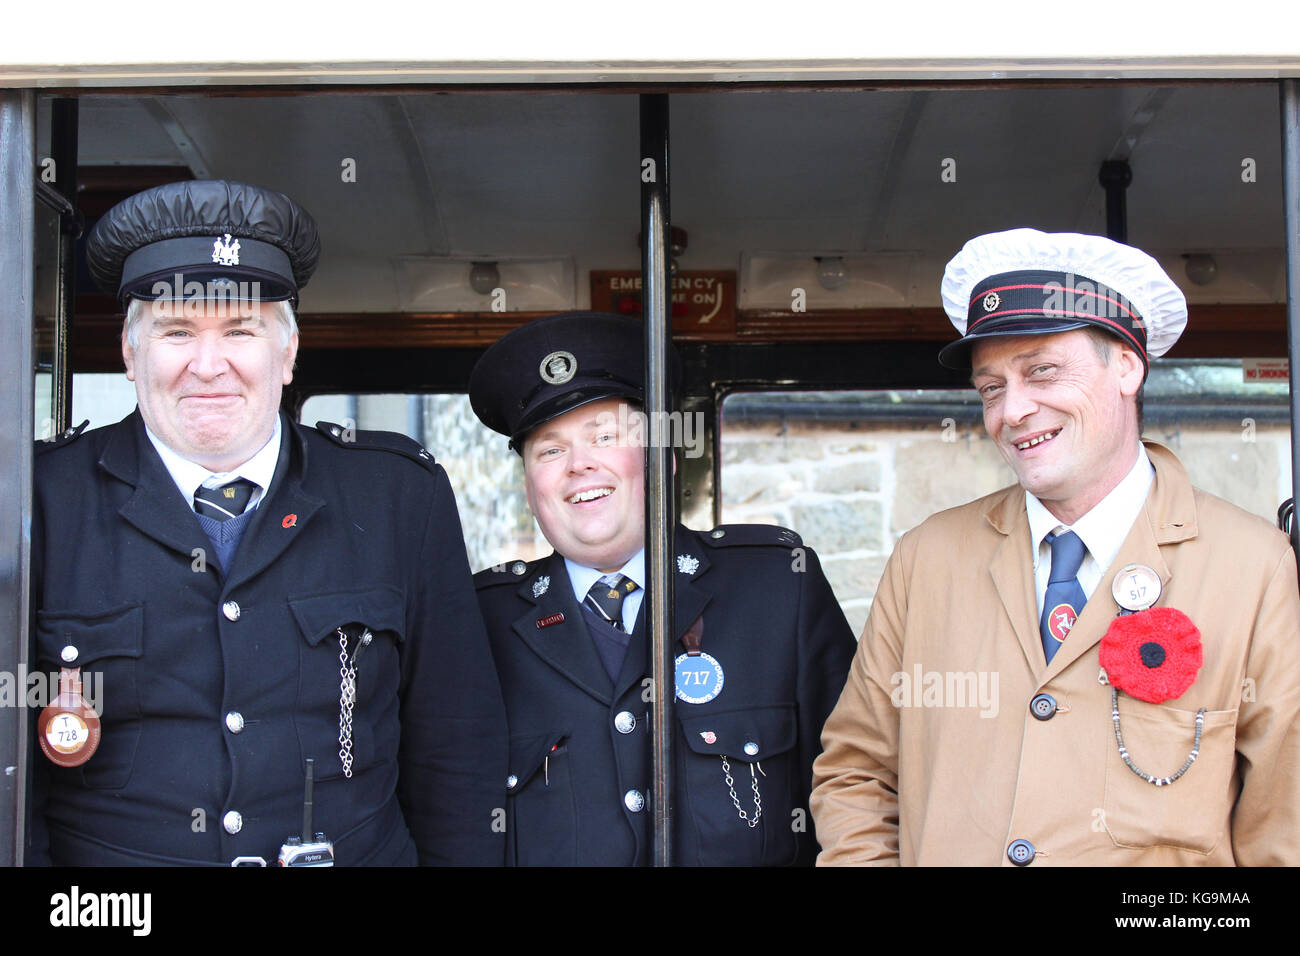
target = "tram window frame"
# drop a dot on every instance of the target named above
(823, 463)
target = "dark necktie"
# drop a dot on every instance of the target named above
(607, 599)
(1064, 599)
(226, 501)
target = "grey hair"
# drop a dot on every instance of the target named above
(136, 309)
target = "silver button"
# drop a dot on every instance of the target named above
(69, 433)
(232, 821)
(234, 721)
(511, 782)
(634, 801)
(751, 748)
(69, 654)
(624, 722)
(717, 533)
(518, 567)
(231, 610)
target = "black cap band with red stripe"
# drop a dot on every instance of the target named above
(1035, 302)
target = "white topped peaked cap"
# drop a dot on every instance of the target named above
(1026, 282)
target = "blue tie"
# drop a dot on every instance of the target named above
(1064, 600)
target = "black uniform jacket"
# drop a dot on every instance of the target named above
(580, 775)
(359, 532)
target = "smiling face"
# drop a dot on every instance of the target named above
(208, 378)
(585, 480)
(1064, 419)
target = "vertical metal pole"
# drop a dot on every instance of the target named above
(659, 501)
(63, 150)
(1115, 176)
(17, 271)
(1291, 220)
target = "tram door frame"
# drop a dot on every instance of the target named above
(20, 190)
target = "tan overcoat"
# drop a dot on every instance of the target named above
(933, 756)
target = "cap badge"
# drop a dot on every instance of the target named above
(224, 253)
(558, 367)
(992, 301)
(687, 563)
(541, 585)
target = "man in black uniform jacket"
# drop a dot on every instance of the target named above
(764, 646)
(247, 593)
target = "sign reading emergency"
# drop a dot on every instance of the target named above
(1265, 370)
(702, 301)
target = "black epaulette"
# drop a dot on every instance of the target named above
(65, 437)
(508, 572)
(376, 441)
(729, 535)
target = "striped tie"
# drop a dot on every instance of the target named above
(226, 501)
(606, 599)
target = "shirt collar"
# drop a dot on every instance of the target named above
(1104, 528)
(188, 475)
(582, 578)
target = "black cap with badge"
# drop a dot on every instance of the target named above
(554, 364)
(174, 240)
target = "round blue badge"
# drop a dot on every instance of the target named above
(699, 679)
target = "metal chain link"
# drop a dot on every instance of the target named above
(731, 789)
(347, 698)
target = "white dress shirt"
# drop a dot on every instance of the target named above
(259, 469)
(1103, 529)
(583, 578)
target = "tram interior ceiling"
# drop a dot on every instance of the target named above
(810, 226)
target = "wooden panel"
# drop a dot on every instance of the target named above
(1214, 331)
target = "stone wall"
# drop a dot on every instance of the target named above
(851, 488)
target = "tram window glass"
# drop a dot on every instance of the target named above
(852, 471)
(101, 398)
(45, 308)
(487, 477)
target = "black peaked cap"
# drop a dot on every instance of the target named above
(174, 228)
(554, 364)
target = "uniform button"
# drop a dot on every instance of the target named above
(231, 610)
(518, 567)
(1044, 708)
(234, 721)
(624, 722)
(68, 654)
(1021, 852)
(717, 533)
(232, 821)
(511, 782)
(634, 801)
(751, 748)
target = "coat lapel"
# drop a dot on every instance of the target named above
(565, 645)
(690, 597)
(156, 508)
(1167, 517)
(690, 588)
(270, 532)
(1012, 570)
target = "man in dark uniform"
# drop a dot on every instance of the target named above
(248, 593)
(764, 648)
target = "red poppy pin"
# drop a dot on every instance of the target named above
(1152, 655)
(289, 521)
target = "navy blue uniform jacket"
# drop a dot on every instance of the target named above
(359, 531)
(771, 621)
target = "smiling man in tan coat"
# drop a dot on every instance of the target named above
(1099, 665)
